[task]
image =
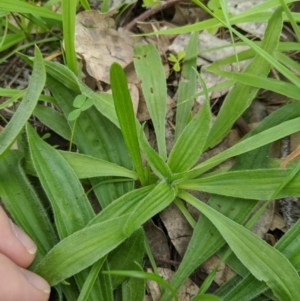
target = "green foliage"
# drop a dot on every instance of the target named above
(101, 253)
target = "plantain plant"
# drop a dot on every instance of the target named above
(80, 246)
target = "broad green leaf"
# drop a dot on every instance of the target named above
(53, 120)
(87, 167)
(81, 249)
(241, 96)
(260, 258)
(127, 120)
(95, 136)
(23, 204)
(187, 85)
(191, 142)
(247, 184)
(155, 161)
(150, 71)
(90, 280)
(18, 6)
(24, 111)
(105, 292)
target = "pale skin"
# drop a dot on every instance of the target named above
(17, 252)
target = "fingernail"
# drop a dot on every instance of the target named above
(25, 240)
(37, 281)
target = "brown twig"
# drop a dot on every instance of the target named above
(149, 13)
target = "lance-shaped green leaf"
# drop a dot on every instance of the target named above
(250, 287)
(127, 121)
(95, 136)
(88, 167)
(81, 249)
(259, 258)
(123, 205)
(206, 239)
(150, 71)
(71, 208)
(27, 105)
(187, 85)
(191, 142)
(241, 96)
(23, 204)
(155, 161)
(275, 133)
(53, 120)
(247, 184)
(157, 200)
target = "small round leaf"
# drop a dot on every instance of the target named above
(79, 101)
(74, 114)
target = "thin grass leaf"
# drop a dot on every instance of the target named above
(259, 257)
(191, 142)
(127, 120)
(187, 86)
(291, 19)
(22, 7)
(148, 276)
(90, 280)
(68, 19)
(150, 71)
(281, 87)
(24, 111)
(241, 96)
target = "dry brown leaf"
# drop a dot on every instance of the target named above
(179, 230)
(100, 45)
(158, 241)
(224, 272)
